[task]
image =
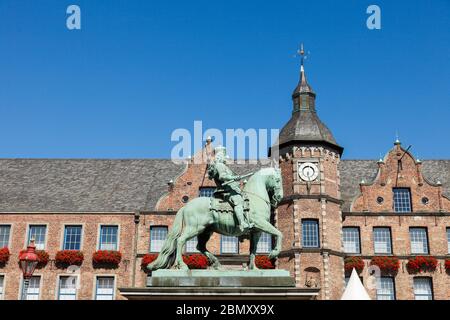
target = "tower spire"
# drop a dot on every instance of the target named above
(303, 95)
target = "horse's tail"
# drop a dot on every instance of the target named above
(167, 254)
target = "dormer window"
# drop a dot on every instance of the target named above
(402, 200)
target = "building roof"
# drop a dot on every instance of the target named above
(305, 126)
(95, 185)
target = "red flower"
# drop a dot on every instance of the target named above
(65, 258)
(43, 257)
(387, 265)
(196, 261)
(421, 264)
(147, 259)
(447, 265)
(4, 256)
(263, 262)
(354, 262)
(106, 258)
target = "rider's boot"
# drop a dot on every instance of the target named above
(243, 224)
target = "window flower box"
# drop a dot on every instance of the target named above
(353, 262)
(43, 257)
(65, 258)
(421, 264)
(194, 261)
(263, 262)
(4, 256)
(387, 265)
(447, 265)
(106, 259)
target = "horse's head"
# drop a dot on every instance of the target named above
(274, 186)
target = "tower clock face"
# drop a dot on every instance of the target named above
(308, 171)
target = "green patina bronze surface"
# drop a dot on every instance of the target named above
(196, 219)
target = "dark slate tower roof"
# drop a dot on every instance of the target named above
(305, 126)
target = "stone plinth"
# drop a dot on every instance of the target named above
(214, 284)
(215, 278)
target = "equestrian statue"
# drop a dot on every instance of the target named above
(231, 211)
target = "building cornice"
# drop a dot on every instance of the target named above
(318, 197)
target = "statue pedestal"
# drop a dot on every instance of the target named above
(214, 284)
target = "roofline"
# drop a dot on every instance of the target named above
(322, 142)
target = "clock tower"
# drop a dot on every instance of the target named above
(310, 214)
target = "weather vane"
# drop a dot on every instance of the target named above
(302, 54)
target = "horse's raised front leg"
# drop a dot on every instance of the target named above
(254, 239)
(187, 234)
(267, 227)
(202, 239)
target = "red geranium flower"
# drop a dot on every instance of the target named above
(196, 261)
(387, 265)
(421, 264)
(147, 259)
(106, 258)
(447, 265)
(263, 262)
(354, 262)
(4, 256)
(65, 258)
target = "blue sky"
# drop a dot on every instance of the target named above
(137, 70)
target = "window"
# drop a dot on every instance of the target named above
(4, 235)
(423, 289)
(351, 240)
(2, 285)
(108, 238)
(385, 288)
(206, 191)
(310, 233)
(191, 245)
(157, 237)
(229, 244)
(72, 238)
(419, 240)
(264, 243)
(67, 288)
(382, 240)
(37, 232)
(448, 240)
(33, 288)
(104, 289)
(402, 200)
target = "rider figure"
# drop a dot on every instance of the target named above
(227, 182)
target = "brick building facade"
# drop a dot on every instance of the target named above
(332, 209)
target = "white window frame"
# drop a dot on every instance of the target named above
(427, 242)
(100, 235)
(193, 243)
(58, 284)
(389, 244)
(383, 294)
(430, 282)
(10, 233)
(150, 244)
(27, 238)
(357, 245)
(3, 286)
(63, 236)
(96, 285)
(266, 237)
(22, 286)
(223, 238)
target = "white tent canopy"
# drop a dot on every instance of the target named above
(355, 289)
